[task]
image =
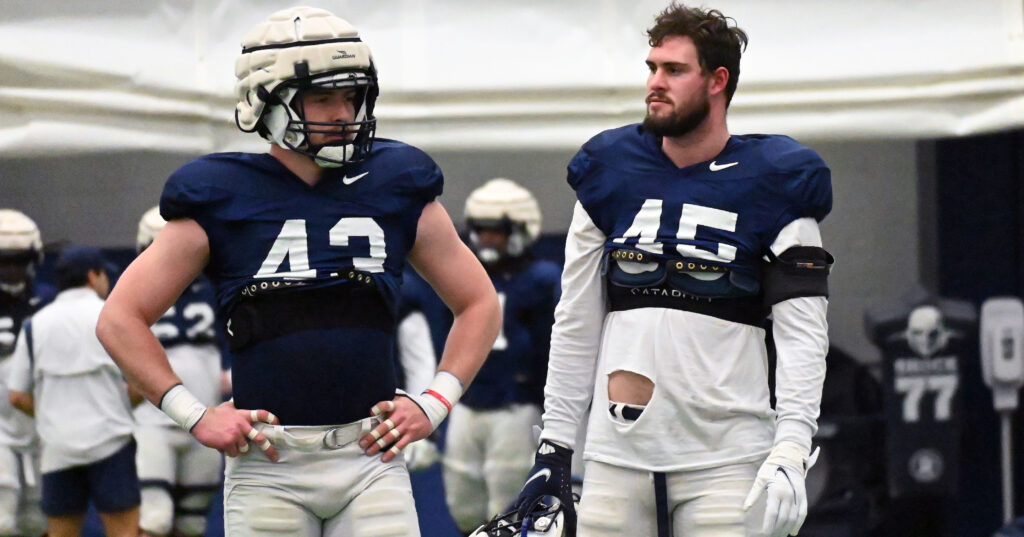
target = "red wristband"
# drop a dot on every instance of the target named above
(441, 398)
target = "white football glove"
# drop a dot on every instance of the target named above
(421, 454)
(782, 476)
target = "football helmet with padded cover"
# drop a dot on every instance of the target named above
(21, 250)
(149, 225)
(302, 49)
(544, 517)
(502, 204)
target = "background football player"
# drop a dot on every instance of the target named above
(489, 436)
(21, 250)
(305, 246)
(178, 475)
(665, 293)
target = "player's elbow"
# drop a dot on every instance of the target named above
(483, 312)
(111, 323)
(105, 325)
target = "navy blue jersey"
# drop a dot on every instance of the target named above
(517, 364)
(14, 311)
(719, 215)
(191, 320)
(307, 277)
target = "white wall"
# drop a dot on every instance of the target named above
(461, 74)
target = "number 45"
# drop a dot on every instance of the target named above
(648, 220)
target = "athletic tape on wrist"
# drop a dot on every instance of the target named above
(440, 396)
(182, 407)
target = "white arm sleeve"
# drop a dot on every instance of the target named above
(576, 334)
(416, 352)
(800, 330)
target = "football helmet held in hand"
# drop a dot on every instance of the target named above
(543, 517)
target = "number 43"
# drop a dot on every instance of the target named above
(292, 243)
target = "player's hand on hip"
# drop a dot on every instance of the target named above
(229, 430)
(781, 480)
(402, 423)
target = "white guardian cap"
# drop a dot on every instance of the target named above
(21, 249)
(504, 205)
(299, 49)
(149, 225)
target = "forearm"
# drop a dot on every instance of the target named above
(576, 335)
(471, 337)
(800, 331)
(22, 401)
(137, 352)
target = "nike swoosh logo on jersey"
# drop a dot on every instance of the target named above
(716, 167)
(545, 473)
(349, 180)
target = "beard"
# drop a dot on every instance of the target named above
(679, 123)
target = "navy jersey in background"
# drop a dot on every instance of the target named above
(516, 367)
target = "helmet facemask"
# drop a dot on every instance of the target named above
(514, 246)
(17, 271)
(285, 123)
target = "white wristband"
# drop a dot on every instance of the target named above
(439, 397)
(182, 407)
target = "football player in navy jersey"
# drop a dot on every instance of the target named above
(489, 439)
(178, 475)
(684, 239)
(21, 250)
(305, 247)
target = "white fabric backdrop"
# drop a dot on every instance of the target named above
(463, 74)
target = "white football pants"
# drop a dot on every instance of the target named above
(701, 503)
(20, 513)
(323, 485)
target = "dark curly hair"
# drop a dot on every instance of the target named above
(718, 43)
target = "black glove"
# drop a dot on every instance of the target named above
(551, 476)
